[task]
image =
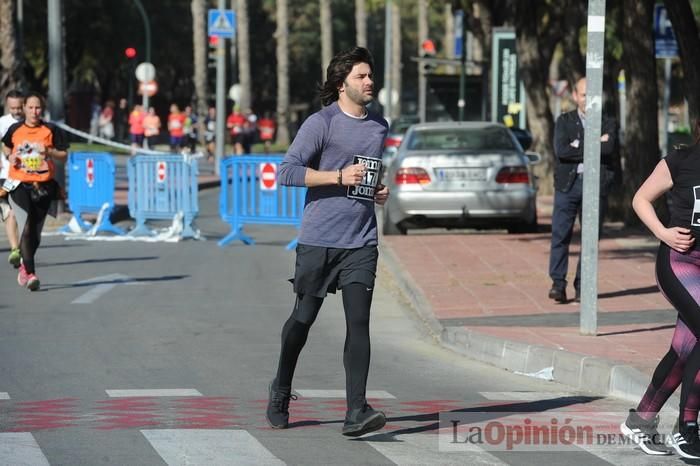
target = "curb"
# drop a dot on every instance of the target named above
(578, 371)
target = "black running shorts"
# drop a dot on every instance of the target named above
(319, 271)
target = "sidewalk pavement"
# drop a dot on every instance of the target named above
(485, 295)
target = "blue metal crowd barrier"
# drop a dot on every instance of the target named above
(90, 187)
(159, 188)
(250, 194)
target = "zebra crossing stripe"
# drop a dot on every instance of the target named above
(371, 394)
(153, 392)
(21, 449)
(4, 396)
(524, 396)
(211, 447)
(423, 449)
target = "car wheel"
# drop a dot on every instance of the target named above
(390, 228)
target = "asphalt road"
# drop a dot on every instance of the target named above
(160, 353)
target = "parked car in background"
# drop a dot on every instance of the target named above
(394, 136)
(468, 174)
(523, 136)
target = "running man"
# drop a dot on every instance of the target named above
(14, 100)
(338, 238)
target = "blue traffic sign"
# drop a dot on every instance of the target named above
(222, 23)
(665, 45)
(459, 33)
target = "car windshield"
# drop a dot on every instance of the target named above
(400, 126)
(461, 139)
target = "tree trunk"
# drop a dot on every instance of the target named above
(199, 42)
(243, 44)
(360, 23)
(326, 36)
(396, 64)
(686, 31)
(282, 52)
(10, 72)
(422, 78)
(535, 48)
(641, 150)
(573, 60)
(448, 39)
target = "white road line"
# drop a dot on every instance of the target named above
(371, 394)
(4, 396)
(20, 449)
(209, 447)
(101, 288)
(420, 449)
(524, 396)
(153, 392)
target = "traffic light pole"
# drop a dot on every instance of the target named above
(220, 96)
(387, 61)
(591, 168)
(462, 80)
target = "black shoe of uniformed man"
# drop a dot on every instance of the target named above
(557, 293)
(361, 421)
(277, 413)
(577, 296)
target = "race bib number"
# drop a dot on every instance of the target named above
(365, 190)
(695, 220)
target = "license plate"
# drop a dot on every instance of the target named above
(461, 174)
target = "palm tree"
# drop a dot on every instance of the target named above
(282, 38)
(360, 23)
(199, 42)
(243, 54)
(326, 36)
(10, 72)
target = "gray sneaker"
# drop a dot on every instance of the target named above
(644, 434)
(361, 421)
(277, 413)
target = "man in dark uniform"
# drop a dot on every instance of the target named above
(568, 186)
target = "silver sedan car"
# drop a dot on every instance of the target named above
(469, 174)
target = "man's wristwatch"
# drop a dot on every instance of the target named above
(340, 177)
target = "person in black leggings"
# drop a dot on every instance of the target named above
(336, 150)
(678, 277)
(32, 146)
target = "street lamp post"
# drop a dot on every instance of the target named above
(147, 31)
(146, 27)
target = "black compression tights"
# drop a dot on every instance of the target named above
(678, 276)
(30, 219)
(357, 300)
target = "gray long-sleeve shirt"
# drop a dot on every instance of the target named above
(327, 141)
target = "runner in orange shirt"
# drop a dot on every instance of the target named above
(32, 146)
(176, 127)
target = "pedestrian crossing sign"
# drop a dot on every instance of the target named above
(222, 23)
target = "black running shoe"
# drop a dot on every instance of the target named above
(644, 434)
(685, 440)
(277, 413)
(361, 421)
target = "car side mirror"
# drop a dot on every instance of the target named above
(533, 157)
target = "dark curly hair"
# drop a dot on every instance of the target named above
(339, 68)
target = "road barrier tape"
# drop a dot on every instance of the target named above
(108, 142)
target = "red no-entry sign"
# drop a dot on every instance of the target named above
(90, 172)
(161, 170)
(268, 176)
